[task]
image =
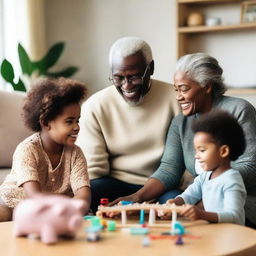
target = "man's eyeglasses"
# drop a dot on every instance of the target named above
(135, 80)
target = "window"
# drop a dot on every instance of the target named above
(1, 41)
(11, 32)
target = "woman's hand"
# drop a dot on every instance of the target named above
(132, 198)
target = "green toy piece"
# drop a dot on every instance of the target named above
(111, 225)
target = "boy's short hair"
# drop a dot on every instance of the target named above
(47, 98)
(224, 128)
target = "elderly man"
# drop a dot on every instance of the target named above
(124, 126)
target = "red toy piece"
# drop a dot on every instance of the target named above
(104, 201)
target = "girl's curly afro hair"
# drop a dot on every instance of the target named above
(47, 98)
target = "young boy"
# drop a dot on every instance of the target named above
(218, 140)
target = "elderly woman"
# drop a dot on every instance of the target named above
(199, 85)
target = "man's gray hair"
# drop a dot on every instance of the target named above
(127, 46)
(202, 69)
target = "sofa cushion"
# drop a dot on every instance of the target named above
(3, 173)
(12, 130)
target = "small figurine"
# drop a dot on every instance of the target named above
(48, 217)
(178, 229)
(146, 241)
(94, 230)
(179, 240)
(93, 234)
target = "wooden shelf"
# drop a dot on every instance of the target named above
(185, 33)
(200, 29)
(208, 1)
(241, 91)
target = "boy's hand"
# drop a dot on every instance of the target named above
(192, 212)
(166, 215)
(170, 201)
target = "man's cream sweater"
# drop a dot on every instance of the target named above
(122, 141)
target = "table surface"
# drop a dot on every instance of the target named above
(212, 239)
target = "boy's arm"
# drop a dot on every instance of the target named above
(177, 200)
(233, 200)
(193, 194)
(195, 213)
(209, 216)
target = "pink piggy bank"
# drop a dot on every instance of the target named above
(48, 217)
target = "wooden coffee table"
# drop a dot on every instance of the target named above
(212, 239)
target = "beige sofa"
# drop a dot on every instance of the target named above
(12, 129)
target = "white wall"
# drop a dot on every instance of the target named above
(89, 27)
(235, 50)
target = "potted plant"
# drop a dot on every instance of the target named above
(40, 67)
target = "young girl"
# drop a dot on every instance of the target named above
(48, 161)
(218, 140)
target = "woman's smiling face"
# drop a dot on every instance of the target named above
(191, 96)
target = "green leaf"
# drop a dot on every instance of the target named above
(50, 58)
(38, 65)
(7, 71)
(67, 72)
(25, 62)
(19, 86)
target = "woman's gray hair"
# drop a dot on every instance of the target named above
(202, 69)
(127, 46)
